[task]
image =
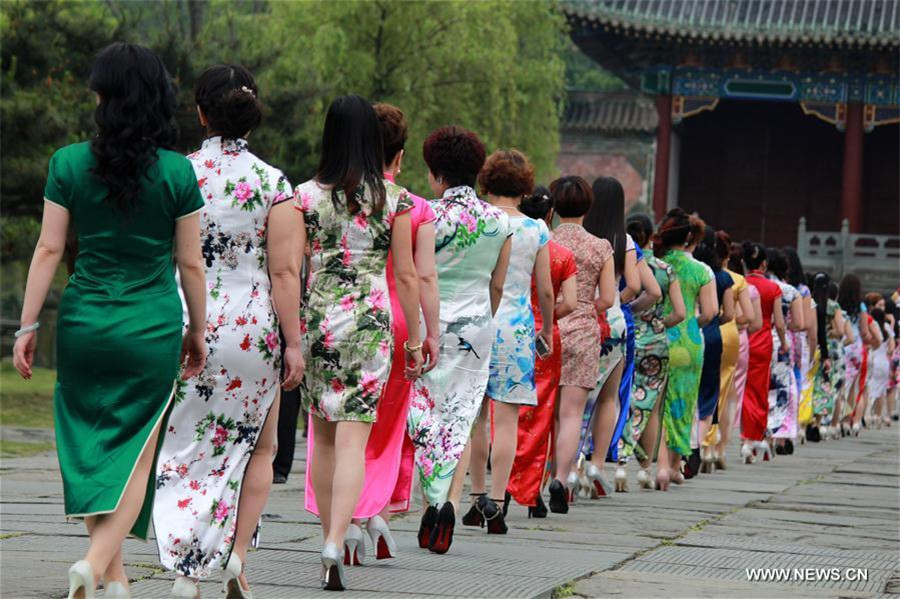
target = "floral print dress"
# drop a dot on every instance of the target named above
(512, 357)
(347, 318)
(469, 234)
(218, 416)
(784, 395)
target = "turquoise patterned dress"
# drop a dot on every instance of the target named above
(685, 352)
(469, 234)
(512, 358)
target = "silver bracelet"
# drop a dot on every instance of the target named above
(25, 330)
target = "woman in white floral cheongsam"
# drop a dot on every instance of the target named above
(215, 468)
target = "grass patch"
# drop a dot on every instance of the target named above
(11, 535)
(26, 403)
(20, 449)
(563, 590)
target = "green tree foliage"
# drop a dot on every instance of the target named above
(495, 67)
(582, 73)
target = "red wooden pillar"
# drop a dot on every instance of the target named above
(663, 146)
(851, 198)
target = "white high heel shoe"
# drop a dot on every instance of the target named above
(621, 479)
(185, 588)
(644, 479)
(763, 446)
(117, 590)
(600, 487)
(747, 453)
(332, 569)
(855, 429)
(233, 571)
(382, 541)
(573, 486)
(354, 546)
(81, 577)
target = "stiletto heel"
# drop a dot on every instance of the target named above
(506, 499)
(539, 510)
(573, 485)
(600, 487)
(621, 479)
(493, 514)
(474, 517)
(354, 546)
(442, 534)
(81, 578)
(183, 588)
(720, 461)
(662, 479)
(233, 571)
(382, 541)
(747, 453)
(332, 569)
(559, 502)
(426, 526)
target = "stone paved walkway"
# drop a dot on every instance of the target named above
(831, 505)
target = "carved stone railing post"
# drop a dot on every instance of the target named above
(802, 241)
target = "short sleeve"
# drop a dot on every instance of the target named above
(404, 203)
(544, 234)
(55, 189)
(569, 268)
(190, 200)
(639, 253)
(301, 200)
(704, 274)
(281, 192)
(426, 212)
(727, 280)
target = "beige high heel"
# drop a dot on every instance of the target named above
(116, 590)
(81, 578)
(232, 578)
(185, 588)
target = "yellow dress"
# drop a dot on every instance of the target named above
(730, 352)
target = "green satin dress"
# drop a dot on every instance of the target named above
(119, 329)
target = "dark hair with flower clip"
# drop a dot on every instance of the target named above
(537, 205)
(754, 255)
(227, 95)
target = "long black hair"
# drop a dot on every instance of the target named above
(795, 274)
(706, 250)
(352, 155)
(537, 205)
(640, 227)
(850, 294)
(820, 296)
(674, 231)
(227, 94)
(135, 117)
(606, 217)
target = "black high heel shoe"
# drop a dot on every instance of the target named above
(506, 499)
(442, 534)
(558, 502)
(474, 517)
(426, 527)
(493, 515)
(539, 510)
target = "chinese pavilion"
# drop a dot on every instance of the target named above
(768, 110)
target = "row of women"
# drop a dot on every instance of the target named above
(435, 337)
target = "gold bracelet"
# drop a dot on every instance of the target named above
(411, 348)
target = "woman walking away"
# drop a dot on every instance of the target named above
(215, 466)
(353, 217)
(580, 330)
(602, 429)
(536, 424)
(713, 344)
(835, 423)
(651, 360)
(471, 253)
(804, 357)
(850, 299)
(755, 408)
(389, 452)
(131, 201)
(733, 371)
(506, 178)
(674, 244)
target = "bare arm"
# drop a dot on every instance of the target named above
(429, 295)
(797, 323)
(849, 337)
(651, 292)
(569, 298)
(285, 240)
(709, 303)
(46, 258)
(744, 312)
(839, 325)
(727, 306)
(679, 312)
(498, 276)
(607, 286)
(632, 277)
(189, 257)
(407, 282)
(778, 318)
(541, 275)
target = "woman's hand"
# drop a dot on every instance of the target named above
(293, 368)
(414, 362)
(23, 353)
(431, 351)
(547, 336)
(193, 354)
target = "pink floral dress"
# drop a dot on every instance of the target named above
(219, 415)
(347, 318)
